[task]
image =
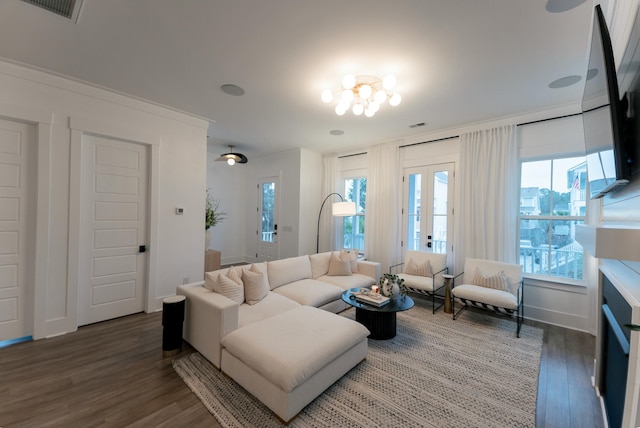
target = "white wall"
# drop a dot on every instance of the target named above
(62, 110)
(228, 184)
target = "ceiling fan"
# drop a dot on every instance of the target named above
(233, 158)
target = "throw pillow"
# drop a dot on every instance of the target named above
(234, 275)
(210, 278)
(339, 266)
(423, 269)
(352, 256)
(256, 285)
(228, 288)
(497, 281)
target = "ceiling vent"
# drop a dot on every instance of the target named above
(68, 8)
(417, 125)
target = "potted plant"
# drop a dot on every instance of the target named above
(392, 286)
(213, 215)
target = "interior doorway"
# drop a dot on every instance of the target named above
(113, 229)
(17, 229)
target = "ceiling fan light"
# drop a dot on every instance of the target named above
(395, 99)
(327, 95)
(348, 81)
(231, 161)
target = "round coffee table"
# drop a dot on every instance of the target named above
(381, 321)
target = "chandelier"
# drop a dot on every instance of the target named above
(363, 94)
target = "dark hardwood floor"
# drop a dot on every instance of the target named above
(112, 374)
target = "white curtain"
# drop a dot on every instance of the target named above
(382, 213)
(487, 207)
(330, 184)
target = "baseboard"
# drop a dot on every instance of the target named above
(560, 319)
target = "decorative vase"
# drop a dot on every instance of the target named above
(207, 239)
(390, 289)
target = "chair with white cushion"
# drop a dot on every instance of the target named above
(422, 273)
(490, 285)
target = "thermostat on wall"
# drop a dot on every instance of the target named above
(179, 210)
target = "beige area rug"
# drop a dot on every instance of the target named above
(471, 372)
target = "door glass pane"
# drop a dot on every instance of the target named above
(440, 194)
(268, 203)
(413, 220)
(355, 190)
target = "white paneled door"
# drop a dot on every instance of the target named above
(113, 229)
(17, 229)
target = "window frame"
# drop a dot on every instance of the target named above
(361, 215)
(549, 217)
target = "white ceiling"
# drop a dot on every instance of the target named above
(457, 62)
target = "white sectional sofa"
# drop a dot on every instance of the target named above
(281, 311)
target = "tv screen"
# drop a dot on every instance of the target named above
(603, 115)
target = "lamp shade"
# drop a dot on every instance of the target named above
(342, 209)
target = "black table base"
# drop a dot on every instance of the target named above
(382, 325)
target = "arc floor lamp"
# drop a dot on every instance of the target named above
(338, 209)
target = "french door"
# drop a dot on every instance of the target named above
(267, 222)
(428, 208)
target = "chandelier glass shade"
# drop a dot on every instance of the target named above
(363, 94)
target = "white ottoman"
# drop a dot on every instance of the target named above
(289, 359)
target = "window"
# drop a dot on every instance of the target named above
(553, 201)
(355, 190)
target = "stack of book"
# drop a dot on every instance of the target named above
(372, 299)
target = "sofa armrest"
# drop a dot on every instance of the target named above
(369, 268)
(209, 317)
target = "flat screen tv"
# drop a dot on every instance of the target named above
(604, 116)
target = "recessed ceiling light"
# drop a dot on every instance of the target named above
(232, 90)
(563, 82)
(336, 132)
(418, 125)
(557, 6)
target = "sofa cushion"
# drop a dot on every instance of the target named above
(310, 292)
(497, 298)
(418, 282)
(356, 280)
(256, 286)
(339, 266)
(289, 348)
(272, 304)
(284, 271)
(319, 264)
(224, 285)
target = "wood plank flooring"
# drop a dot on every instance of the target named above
(112, 374)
